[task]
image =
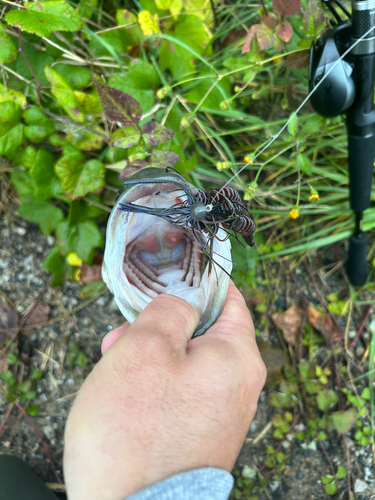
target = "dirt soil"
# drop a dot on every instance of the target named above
(86, 321)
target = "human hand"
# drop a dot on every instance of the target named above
(158, 403)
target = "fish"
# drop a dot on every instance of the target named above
(147, 255)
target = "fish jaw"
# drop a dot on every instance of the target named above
(130, 233)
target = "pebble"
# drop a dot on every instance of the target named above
(352, 334)
(300, 475)
(101, 301)
(253, 426)
(21, 231)
(49, 431)
(360, 486)
(50, 240)
(274, 485)
(360, 351)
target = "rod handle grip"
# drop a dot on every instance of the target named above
(356, 265)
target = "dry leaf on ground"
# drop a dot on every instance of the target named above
(90, 273)
(325, 325)
(290, 323)
(38, 316)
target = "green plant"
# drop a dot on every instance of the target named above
(75, 356)
(24, 391)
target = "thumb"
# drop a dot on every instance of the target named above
(167, 320)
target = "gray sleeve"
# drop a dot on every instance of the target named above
(199, 484)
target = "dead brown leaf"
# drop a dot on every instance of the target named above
(325, 325)
(90, 273)
(38, 315)
(290, 323)
(8, 319)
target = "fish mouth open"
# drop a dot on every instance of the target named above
(146, 255)
(163, 259)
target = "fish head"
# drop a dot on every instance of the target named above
(146, 255)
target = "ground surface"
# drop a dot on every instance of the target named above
(86, 321)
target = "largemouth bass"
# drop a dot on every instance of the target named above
(146, 255)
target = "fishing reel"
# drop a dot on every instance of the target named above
(341, 79)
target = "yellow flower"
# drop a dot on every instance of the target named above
(148, 23)
(77, 275)
(293, 214)
(237, 89)
(73, 259)
(314, 195)
(248, 159)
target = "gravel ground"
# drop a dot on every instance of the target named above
(86, 321)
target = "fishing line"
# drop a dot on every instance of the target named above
(347, 51)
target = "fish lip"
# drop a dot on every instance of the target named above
(143, 183)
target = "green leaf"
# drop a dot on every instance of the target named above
(42, 171)
(44, 17)
(326, 398)
(343, 421)
(82, 238)
(193, 39)
(23, 182)
(7, 376)
(39, 126)
(126, 18)
(304, 164)
(155, 134)
(87, 140)
(125, 138)
(10, 115)
(11, 140)
(86, 8)
(56, 264)
(366, 393)
(7, 94)
(143, 75)
(118, 106)
(33, 410)
(76, 77)
(94, 288)
(327, 479)
(163, 159)
(79, 178)
(341, 472)
(8, 51)
(46, 215)
(64, 95)
(89, 238)
(89, 101)
(293, 125)
(331, 489)
(26, 156)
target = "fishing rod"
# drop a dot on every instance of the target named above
(348, 87)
